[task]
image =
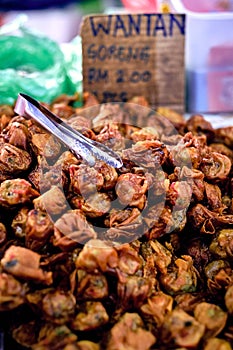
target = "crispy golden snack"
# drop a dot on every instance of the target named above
(98, 258)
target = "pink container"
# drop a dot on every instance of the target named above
(141, 5)
(209, 54)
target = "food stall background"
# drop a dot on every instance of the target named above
(40, 47)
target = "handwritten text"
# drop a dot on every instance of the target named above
(155, 25)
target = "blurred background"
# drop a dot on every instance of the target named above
(58, 19)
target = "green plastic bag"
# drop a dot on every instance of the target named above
(36, 65)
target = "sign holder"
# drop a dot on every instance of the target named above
(127, 55)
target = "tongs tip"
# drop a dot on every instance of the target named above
(79, 144)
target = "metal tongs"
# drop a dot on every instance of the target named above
(80, 145)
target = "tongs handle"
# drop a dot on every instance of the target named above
(77, 143)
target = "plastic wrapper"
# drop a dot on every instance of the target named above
(34, 64)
